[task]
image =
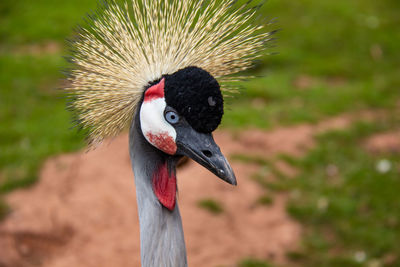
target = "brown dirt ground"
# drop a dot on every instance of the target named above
(388, 142)
(83, 210)
(49, 47)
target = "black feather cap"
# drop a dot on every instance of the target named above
(196, 95)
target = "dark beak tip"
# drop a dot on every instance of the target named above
(203, 149)
(231, 180)
(227, 174)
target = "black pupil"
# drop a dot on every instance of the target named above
(172, 117)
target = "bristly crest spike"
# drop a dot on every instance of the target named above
(127, 44)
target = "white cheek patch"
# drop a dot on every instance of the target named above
(155, 128)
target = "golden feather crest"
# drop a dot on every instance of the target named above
(125, 46)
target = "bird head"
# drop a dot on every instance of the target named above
(178, 114)
(129, 44)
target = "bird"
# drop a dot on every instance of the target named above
(161, 69)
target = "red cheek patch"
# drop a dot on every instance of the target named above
(164, 186)
(154, 92)
(163, 141)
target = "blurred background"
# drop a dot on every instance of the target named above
(336, 61)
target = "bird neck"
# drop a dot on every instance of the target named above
(161, 235)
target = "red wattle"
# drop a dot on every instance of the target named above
(164, 186)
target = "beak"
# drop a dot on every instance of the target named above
(202, 148)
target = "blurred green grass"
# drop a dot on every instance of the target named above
(345, 196)
(333, 57)
(211, 206)
(35, 123)
(347, 203)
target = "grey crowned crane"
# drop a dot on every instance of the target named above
(156, 67)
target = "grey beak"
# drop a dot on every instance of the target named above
(202, 148)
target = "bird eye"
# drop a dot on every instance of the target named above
(172, 117)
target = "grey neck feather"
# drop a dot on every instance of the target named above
(161, 236)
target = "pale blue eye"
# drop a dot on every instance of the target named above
(172, 117)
